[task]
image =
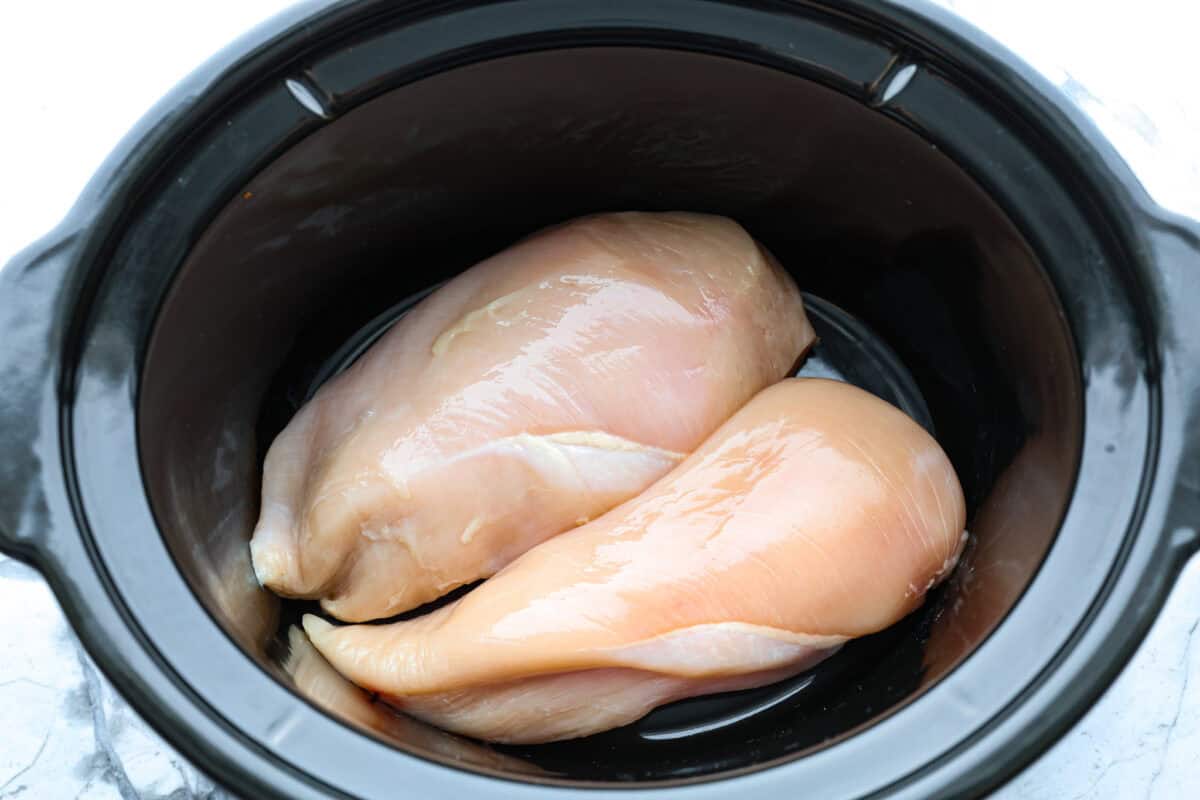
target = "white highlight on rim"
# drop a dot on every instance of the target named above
(898, 82)
(307, 98)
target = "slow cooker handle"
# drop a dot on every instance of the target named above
(33, 317)
(1176, 244)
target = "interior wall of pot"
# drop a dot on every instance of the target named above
(414, 186)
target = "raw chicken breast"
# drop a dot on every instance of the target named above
(530, 394)
(315, 680)
(816, 514)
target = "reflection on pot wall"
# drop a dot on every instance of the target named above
(995, 569)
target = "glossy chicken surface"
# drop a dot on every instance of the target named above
(315, 680)
(530, 394)
(817, 513)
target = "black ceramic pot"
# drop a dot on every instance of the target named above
(348, 155)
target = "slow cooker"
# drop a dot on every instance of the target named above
(973, 229)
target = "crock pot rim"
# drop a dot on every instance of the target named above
(50, 276)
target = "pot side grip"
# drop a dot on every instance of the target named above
(1176, 243)
(33, 288)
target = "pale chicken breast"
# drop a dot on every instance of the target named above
(816, 514)
(319, 683)
(528, 395)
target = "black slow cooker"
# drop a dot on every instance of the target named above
(347, 155)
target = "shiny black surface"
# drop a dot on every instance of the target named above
(381, 202)
(76, 312)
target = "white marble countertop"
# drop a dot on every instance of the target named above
(65, 733)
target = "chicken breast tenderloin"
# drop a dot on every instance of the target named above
(816, 514)
(528, 395)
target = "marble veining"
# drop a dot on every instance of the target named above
(64, 731)
(1141, 739)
